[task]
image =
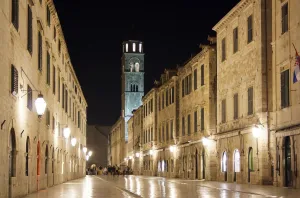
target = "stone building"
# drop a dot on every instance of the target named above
(97, 142)
(117, 143)
(244, 54)
(137, 139)
(34, 60)
(284, 97)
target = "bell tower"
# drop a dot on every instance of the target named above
(132, 79)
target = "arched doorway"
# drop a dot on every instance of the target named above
(46, 163)
(203, 163)
(27, 157)
(12, 159)
(237, 163)
(288, 162)
(53, 165)
(196, 164)
(224, 165)
(38, 158)
(250, 163)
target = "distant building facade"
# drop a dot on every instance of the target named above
(97, 142)
(34, 60)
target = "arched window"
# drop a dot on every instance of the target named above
(131, 88)
(237, 161)
(133, 47)
(250, 159)
(140, 47)
(159, 166)
(27, 157)
(12, 153)
(136, 88)
(126, 47)
(38, 158)
(224, 162)
(46, 159)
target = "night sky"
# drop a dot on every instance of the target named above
(94, 31)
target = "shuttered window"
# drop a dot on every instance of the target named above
(29, 30)
(235, 40)
(284, 18)
(66, 100)
(48, 16)
(167, 131)
(250, 28)
(235, 106)
(172, 96)
(48, 117)
(15, 13)
(171, 128)
(53, 124)
(285, 90)
(202, 75)
(223, 49)
(48, 68)
(167, 97)
(183, 126)
(189, 124)
(29, 97)
(163, 100)
(40, 51)
(63, 96)
(158, 99)
(195, 79)
(14, 80)
(250, 101)
(190, 83)
(54, 33)
(59, 47)
(54, 81)
(182, 88)
(163, 132)
(223, 111)
(195, 121)
(202, 119)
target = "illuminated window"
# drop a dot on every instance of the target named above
(133, 47)
(140, 47)
(126, 47)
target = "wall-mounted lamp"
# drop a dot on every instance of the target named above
(67, 132)
(84, 149)
(73, 141)
(90, 153)
(137, 154)
(40, 105)
(151, 152)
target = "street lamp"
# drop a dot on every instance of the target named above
(40, 105)
(84, 149)
(137, 155)
(151, 152)
(87, 158)
(90, 153)
(205, 141)
(73, 141)
(67, 132)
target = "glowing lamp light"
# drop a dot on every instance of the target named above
(137, 155)
(151, 152)
(40, 105)
(130, 157)
(205, 141)
(256, 131)
(172, 149)
(73, 141)
(90, 153)
(125, 159)
(67, 132)
(87, 158)
(84, 150)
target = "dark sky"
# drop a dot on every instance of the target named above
(94, 31)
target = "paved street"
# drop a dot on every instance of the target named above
(154, 187)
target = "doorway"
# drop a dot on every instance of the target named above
(287, 158)
(196, 164)
(250, 163)
(224, 165)
(236, 165)
(12, 160)
(203, 163)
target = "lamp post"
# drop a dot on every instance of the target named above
(40, 105)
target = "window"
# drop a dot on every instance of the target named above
(285, 88)
(167, 131)
(202, 119)
(163, 100)
(54, 33)
(53, 124)
(163, 133)
(189, 124)
(66, 100)
(235, 40)
(40, 52)
(140, 47)
(79, 117)
(195, 122)
(15, 13)
(29, 97)
(173, 95)
(14, 81)
(182, 88)
(158, 99)
(250, 101)
(48, 117)
(59, 47)
(223, 49)
(250, 159)
(46, 160)
(133, 47)
(171, 129)
(58, 86)
(202, 75)
(159, 134)
(235, 106)
(29, 30)
(223, 111)
(63, 96)
(190, 83)
(48, 16)
(224, 162)
(126, 47)
(54, 80)
(152, 105)
(195, 79)
(167, 95)
(48, 68)
(250, 28)
(183, 126)
(285, 19)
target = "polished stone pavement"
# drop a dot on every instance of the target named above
(155, 187)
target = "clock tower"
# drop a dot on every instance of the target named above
(132, 79)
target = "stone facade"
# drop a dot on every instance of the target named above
(243, 45)
(34, 153)
(285, 115)
(117, 143)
